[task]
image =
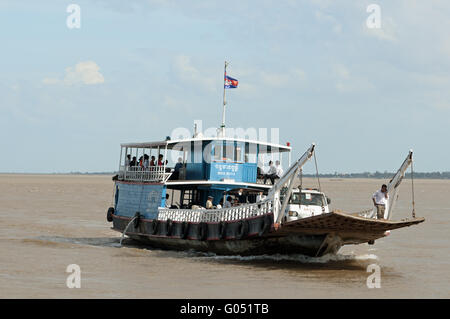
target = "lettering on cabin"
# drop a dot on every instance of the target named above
(226, 169)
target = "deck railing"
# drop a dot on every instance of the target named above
(217, 215)
(140, 174)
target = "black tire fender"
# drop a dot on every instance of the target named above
(169, 227)
(222, 230)
(137, 219)
(184, 230)
(242, 230)
(109, 214)
(154, 226)
(202, 231)
(265, 225)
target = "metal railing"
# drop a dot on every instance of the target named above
(139, 174)
(217, 215)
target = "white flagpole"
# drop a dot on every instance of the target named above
(222, 127)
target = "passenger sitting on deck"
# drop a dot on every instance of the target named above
(160, 160)
(220, 205)
(167, 201)
(133, 162)
(271, 174)
(227, 204)
(209, 203)
(260, 197)
(178, 166)
(241, 197)
(196, 205)
(168, 169)
(235, 202)
(259, 173)
(152, 162)
(279, 169)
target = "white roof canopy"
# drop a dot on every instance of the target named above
(267, 147)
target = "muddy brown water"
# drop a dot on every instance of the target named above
(50, 221)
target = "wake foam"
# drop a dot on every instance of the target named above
(329, 258)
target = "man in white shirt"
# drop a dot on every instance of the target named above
(271, 173)
(279, 169)
(260, 197)
(380, 199)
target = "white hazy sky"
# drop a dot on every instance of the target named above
(135, 70)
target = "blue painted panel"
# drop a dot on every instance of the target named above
(143, 198)
(195, 171)
(249, 172)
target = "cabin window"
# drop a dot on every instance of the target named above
(217, 152)
(197, 149)
(250, 153)
(228, 152)
(188, 150)
(238, 153)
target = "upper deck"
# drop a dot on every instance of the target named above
(220, 159)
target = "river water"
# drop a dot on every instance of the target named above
(48, 222)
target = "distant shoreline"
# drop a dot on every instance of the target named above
(376, 175)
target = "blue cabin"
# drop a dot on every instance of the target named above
(184, 173)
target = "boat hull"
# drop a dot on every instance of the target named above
(231, 241)
(312, 236)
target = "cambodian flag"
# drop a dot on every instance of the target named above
(230, 83)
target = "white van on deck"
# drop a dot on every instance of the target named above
(306, 203)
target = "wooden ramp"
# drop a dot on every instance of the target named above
(340, 222)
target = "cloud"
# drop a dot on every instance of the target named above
(82, 73)
(191, 75)
(346, 82)
(326, 18)
(341, 71)
(292, 77)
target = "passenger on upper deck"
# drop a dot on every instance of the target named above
(271, 174)
(152, 162)
(279, 169)
(133, 162)
(178, 166)
(160, 160)
(259, 173)
(127, 160)
(168, 169)
(146, 163)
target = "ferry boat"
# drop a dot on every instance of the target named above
(165, 207)
(227, 168)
